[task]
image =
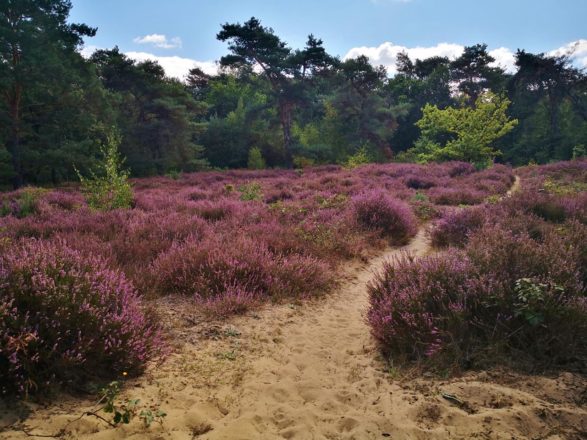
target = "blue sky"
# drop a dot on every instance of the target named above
(183, 32)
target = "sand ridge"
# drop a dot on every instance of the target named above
(312, 371)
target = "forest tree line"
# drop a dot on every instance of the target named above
(268, 105)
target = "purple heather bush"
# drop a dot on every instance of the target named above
(205, 268)
(65, 200)
(514, 292)
(456, 226)
(456, 196)
(375, 210)
(418, 182)
(543, 205)
(234, 300)
(456, 169)
(65, 317)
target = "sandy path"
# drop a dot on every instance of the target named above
(312, 371)
(515, 186)
(320, 380)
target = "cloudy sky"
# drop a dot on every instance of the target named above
(181, 34)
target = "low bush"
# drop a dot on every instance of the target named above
(361, 157)
(376, 211)
(456, 196)
(454, 228)
(416, 182)
(65, 317)
(210, 268)
(504, 296)
(545, 206)
(456, 169)
(214, 211)
(256, 160)
(22, 203)
(67, 201)
(250, 192)
(234, 300)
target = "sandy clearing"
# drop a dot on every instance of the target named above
(312, 371)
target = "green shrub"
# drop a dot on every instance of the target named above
(250, 191)
(579, 151)
(301, 162)
(5, 209)
(256, 161)
(108, 188)
(174, 174)
(361, 157)
(28, 201)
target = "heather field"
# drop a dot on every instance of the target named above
(232, 221)
(392, 300)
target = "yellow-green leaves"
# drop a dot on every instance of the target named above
(464, 133)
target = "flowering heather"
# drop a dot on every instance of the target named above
(229, 240)
(309, 213)
(467, 307)
(460, 169)
(235, 300)
(456, 196)
(64, 317)
(514, 292)
(204, 269)
(376, 211)
(454, 228)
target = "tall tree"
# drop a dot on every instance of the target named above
(415, 85)
(157, 116)
(473, 73)
(37, 54)
(289, 72)
(360, 104)
(543, 90)
(241, 117)
(197, 82)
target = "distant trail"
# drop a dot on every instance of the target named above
(516, 186)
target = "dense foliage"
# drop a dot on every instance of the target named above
(269, 105)
(473, 131)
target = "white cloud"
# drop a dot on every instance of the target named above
(159, 40)
(387, 52)
(88, 50)
(575, 50)
(504, 58)
(175, 67)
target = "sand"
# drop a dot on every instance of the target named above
(312, 371)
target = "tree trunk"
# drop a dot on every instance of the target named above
(553, 104)
(285, 116)
(14, 99)
(14, 147)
